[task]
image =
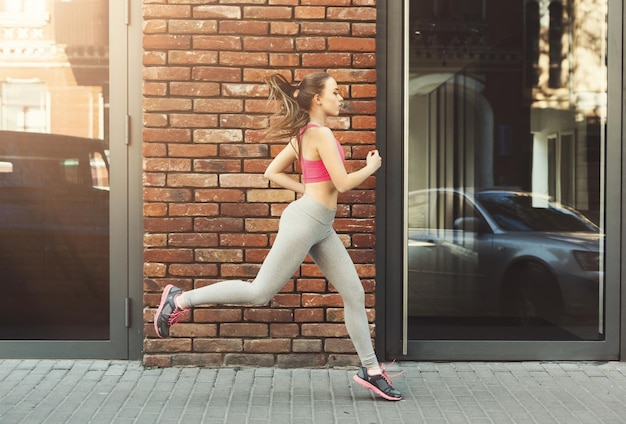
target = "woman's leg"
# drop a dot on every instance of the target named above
(296, 234)
(335, 263)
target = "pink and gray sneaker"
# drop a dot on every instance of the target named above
(168, 313)
(379, 384)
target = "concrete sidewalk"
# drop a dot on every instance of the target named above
(98, 391)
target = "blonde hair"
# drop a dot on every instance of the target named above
(295, 101)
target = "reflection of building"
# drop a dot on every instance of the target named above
(464, 55)
(54, 57)
(566, 78)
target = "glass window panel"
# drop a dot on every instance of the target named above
(54, 169)
(506, 116)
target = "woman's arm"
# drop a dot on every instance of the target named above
(343, 181)
(275, 171)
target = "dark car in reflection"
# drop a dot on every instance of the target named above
(501, 252)
(54, 232)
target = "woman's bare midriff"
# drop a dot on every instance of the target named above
(324, 192)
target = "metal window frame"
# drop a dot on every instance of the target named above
(391, 342)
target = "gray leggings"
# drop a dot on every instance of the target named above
(305, 228)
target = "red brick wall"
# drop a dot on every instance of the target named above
(209, 214)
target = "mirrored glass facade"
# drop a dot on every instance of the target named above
(504, 169)
(54, 169)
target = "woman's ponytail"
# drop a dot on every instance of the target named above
(291, 116)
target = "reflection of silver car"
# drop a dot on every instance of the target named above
(499, 252)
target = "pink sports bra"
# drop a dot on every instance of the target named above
(314, 171)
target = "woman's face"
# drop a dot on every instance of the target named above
(330, 99)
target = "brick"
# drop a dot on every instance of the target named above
(339, 346)
(217, 12)
(267, 346)
(268, 315)
(154, 58)
(254, 225)
(324, 330)
(193, 270)
(218, 105)
(309, 315)
(192, 26)
(317, 300)
(284, 330)
(166, 194)
(273, 44)
(306, 345)
(155, 209)
(166, 11)
(218, 136)
(284, 28)
(243, 240)
(193, 209)
(159, 105)
(155, 119)
(214, 195)
(168, 255)
(310, 12)
(213, 73)
(244, 210)
(249, 359)
(218, 42)
(154, 270)
(167, 345)
(166, 41)
(154, 240)
(188, 330)
(194, 120)
(311, 44)
(243, 27)
(363, 29)
(363, 240)
(243, 121)
(242, 180)
(243, 330)
(283, 60)
(218, 255)
(197, 360)
(245, 90)
(218, 224)
(351, 13)
(154, 26)
(317, 285)
(195, 89)
(191, 151)
(154, 89)
(192, 240)
(326, 59)
(217, 315)
(270, 196)
(285, 301)
(218, 345)
(243, 59)
(256, 255)
(263, 12)
(364, 60)
(166, 134)
(216, 165)
(191, 180)
(245, 270)
(330, 28)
